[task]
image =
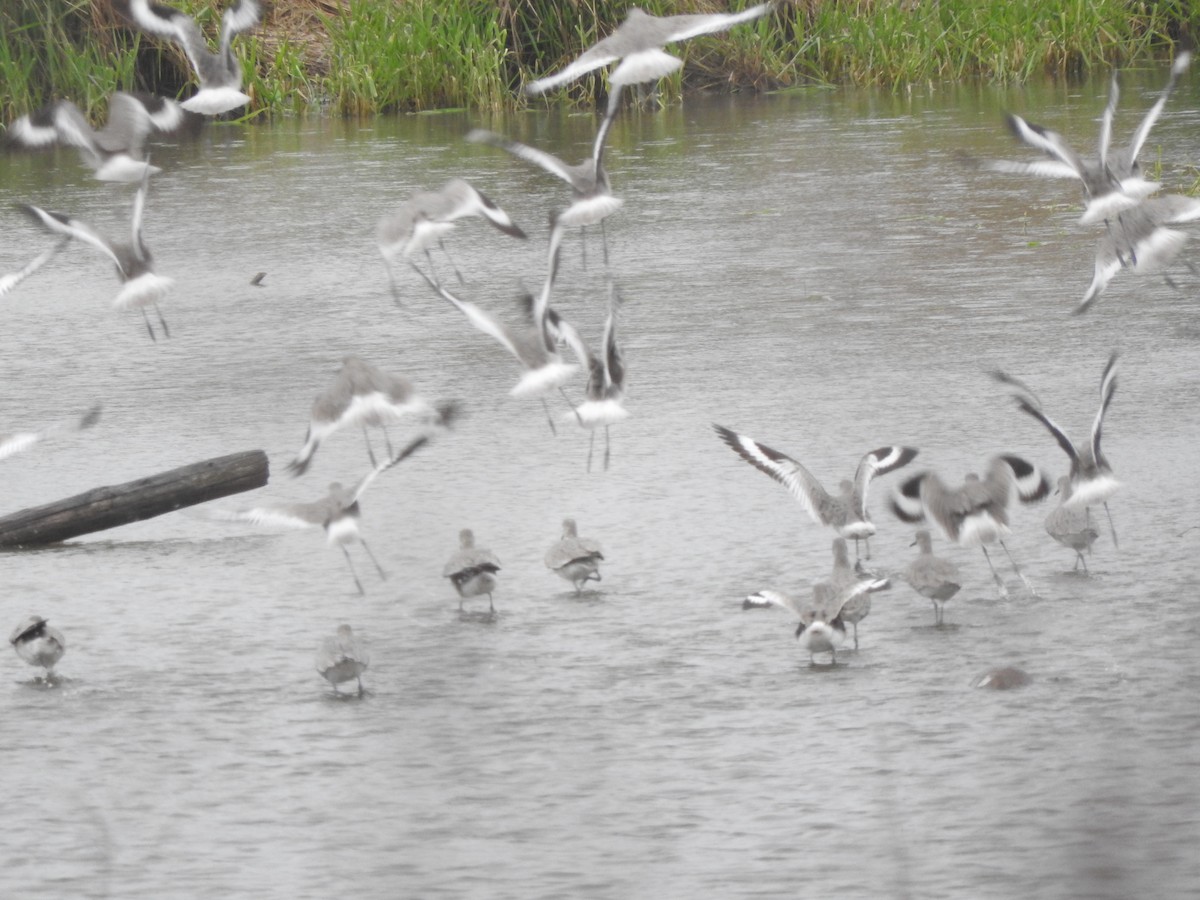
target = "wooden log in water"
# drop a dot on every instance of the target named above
(108, 507)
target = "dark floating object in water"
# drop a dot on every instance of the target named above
(1004, 679)
(258, 279)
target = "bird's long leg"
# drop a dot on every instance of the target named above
(491, 606)
(162, 322)
(1111, 527)
(378, 568)
(867, 544)
(388, 441)
(583, 247)
(392, 280)
(453, 264)
(350, 563)
(995, 575)
(1084, 561)
(432, 271)
(606, 448)
(360, 687)
(149, 327)
(549, 418)
(1017, 569)
(604, 246)
(574, 408)
(370, 452)
(855, 624)
(591, 445)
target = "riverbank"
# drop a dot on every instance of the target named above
(361, 57)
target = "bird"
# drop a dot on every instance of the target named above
(574, 558)
(845, 578)
(20, 441)
(361, 394)
(116, 152)
(1071, 526)
(533, 346)
(931, 576)
(638, 43)
(604, 402)
(846, 513)
(472, 570)
(426, 218)
(974, 514)
(337, 512)
(592, 198)
(141, 285)
(39, 644)
(1090, 478)
(1112, 182)
(220, 73)
(1002, 679)
(821, 628)
(1140, 240)
(342, 657)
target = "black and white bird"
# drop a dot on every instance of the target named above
(39, 644)
(141, 286)
(343, 657)
(361, 395)
(1090, 479)
(574, 558)
(423, 221)
(472, 570)
(975, 513)
(846, 512)
(19, 441)
(821, 628)
(116, 152)
(220, 73)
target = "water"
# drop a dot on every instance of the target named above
(814, 270)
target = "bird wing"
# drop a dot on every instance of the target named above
(539, 158)
(599, 54)
(12, 279)
(481, 319)
(1019, 473)
(405, 452)
(1108, 387)
(838, 600)
(72, 228)
(139, 209)
(1064, 441)
(1143, 130)
(614, 363)
(878, 462)
(1106, 120)
(1043, 168)
(179, 27)
(687, 26)
(768, 598)
(1049, 142)
(793, 476)
(128, 125)
(242, 16)
(906, 503)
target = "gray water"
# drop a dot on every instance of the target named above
(815, 270)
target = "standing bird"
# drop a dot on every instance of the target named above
(592, 199)
(821, 628)
(426, 218)
(604, 402)
(845, 513)
(342, 657)
(337, 512)
(472, 570)
(574, 558)
(1070, 525)
(141, 285)
(39, 644)
(638, 43)
(361, 394)
(220, 73)
(117, 151)
(932, 577)
(845, 579)
(976, 513)
(1091, 479)
(20, 441)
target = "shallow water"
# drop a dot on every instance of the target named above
(815, 270)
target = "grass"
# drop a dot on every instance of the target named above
(359, 57)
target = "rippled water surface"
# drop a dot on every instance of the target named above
(816, 270)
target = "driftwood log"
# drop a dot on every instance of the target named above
(108, 507)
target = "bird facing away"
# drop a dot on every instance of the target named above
(472, 570)
(424, 220)
(821, 628)
(338, 512)
(1091, 479)
(141, 286)
(574, 558)
(342, 657)
(932, 577)
(361, 394)
(117, 151)
(1140, 239)
(20, 441)
(1071, 525)
(845, 579)
(846, 513)
(604, 395)
(39, 644)
(1112, 182)
(974, 514)
(220, 73)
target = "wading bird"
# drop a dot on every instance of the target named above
(39, 644)
(343, 657)
(574, 558)
(472, 570)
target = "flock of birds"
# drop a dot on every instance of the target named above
(974, 513)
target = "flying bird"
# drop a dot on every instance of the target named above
(846, 513)
(20, 441)
(220, 73)
(821, 628)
